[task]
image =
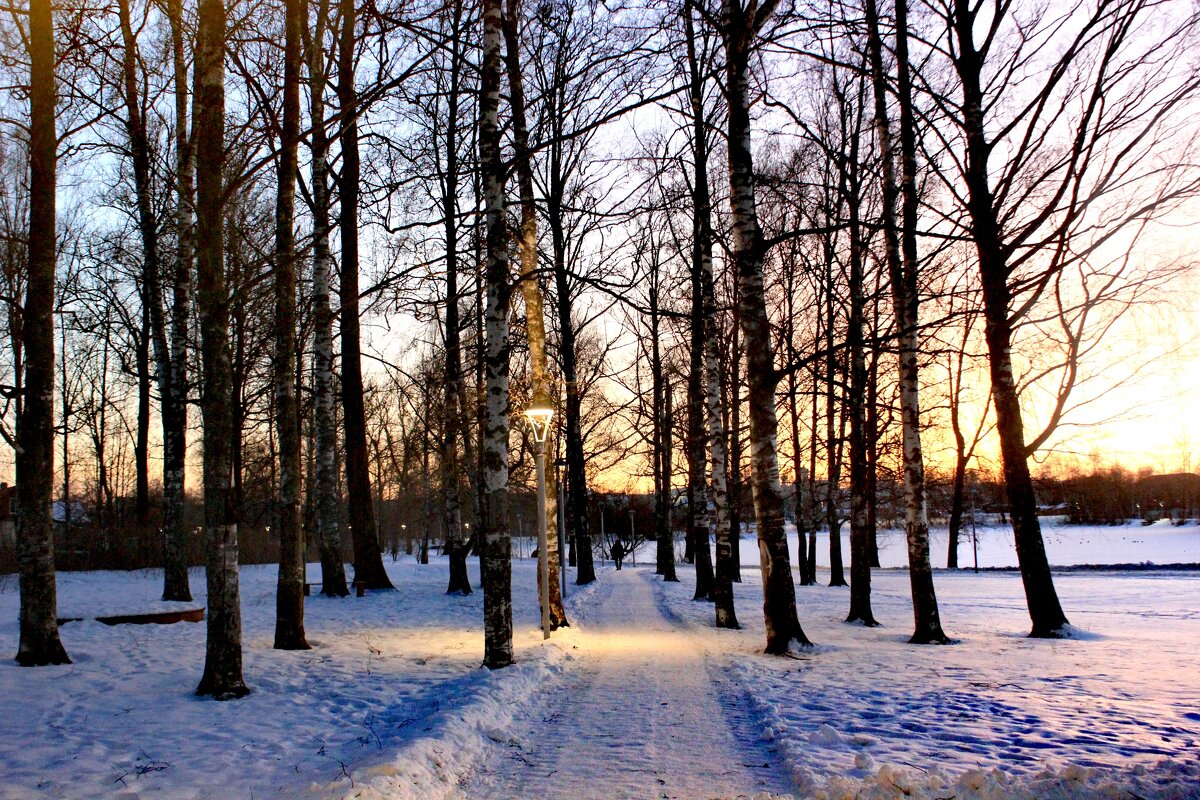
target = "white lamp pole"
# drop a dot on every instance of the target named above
(539, 414)
(562, 536)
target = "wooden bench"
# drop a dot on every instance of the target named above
(151, 618)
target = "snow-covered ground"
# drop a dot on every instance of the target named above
(385, 671)
(640, 698)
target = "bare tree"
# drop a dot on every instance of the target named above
(222, 677)
(39, 643)
(698, 375)
(368, 559)
(173, 387)
(1077, 164)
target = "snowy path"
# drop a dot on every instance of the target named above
(643, 710)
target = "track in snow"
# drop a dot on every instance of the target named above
(642, 711)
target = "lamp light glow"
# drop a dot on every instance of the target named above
(539, 414)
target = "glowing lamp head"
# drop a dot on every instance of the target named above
(539, 414)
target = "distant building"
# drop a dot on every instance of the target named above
(58, 512)
(8, 526)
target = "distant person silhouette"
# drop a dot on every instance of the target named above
(618, 552)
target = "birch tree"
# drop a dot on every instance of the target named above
(333, 571)
(495, 560)
(740, 26)
(904, 272)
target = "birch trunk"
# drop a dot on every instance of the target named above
(174, 392)
(39, 644)
(289, 603)
(222, 677)
(368, 557)
(333, 571)
(779, 593)
(495, 560)
(903, 267)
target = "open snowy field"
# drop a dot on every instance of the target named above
(641, 698)
(1066, 545)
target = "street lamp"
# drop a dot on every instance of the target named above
(539, 414)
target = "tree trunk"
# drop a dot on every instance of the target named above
(333, 571)
(779, 593)
(793, 404)
(810, 578)
(222, 677)
(535, 319)
(174, 387)
(860, 533)
(451, 475)
(289, 603)
(1045, 611)
(368, 559)
(39, 643)
(495, 562)
(663, 534)
(153, 325)
(873, 428)
(735, 441)
(956, 511)
(697, 424)
(799, 478)
(141, 446)
(833, 471)
(904, 269)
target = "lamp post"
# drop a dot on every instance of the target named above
(539, 414)
(562, 532)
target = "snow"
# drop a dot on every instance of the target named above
(1066, 545)
(995, 715)
(642, 697)
(386, 671)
